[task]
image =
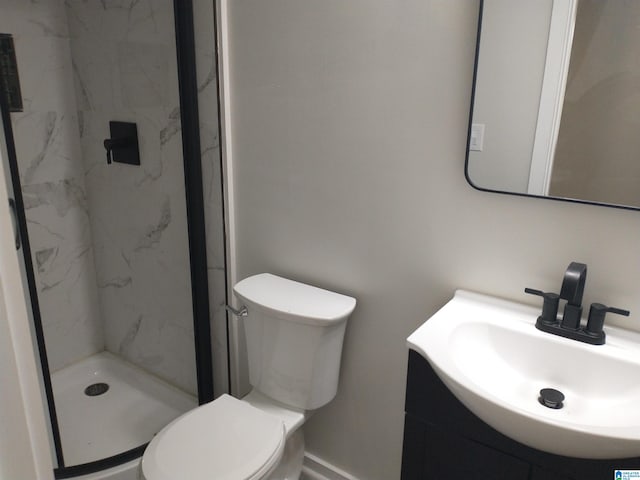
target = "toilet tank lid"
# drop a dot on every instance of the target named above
(291, 300)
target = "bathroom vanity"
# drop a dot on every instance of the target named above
(443, 440)
(472, 407)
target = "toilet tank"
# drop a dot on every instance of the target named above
(294, 336)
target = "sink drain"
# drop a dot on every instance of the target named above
(551, 398)
(96, 389)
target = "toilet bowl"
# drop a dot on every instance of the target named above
(294, 338)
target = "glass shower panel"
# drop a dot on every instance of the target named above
(109, 241)
(23, 250)
(124, 69)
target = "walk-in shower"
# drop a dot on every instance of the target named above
(115, 251)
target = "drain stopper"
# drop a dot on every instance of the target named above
(551, 398)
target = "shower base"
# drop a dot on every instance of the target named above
(128, 414)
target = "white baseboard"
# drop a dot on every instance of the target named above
(314, 468)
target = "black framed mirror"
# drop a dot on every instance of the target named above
(555, 101)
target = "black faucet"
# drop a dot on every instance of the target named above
(572, 291)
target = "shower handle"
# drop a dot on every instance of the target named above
(112, 143)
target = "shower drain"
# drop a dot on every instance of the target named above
(96, 389)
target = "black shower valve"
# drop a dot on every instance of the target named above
(123, 146)
(111, 144)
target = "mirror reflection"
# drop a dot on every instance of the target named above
(556, 108)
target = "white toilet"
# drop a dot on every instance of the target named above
(294, 338)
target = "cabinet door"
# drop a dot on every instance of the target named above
(483, 453)
(544, 474)
(450, 457)
(413, 449)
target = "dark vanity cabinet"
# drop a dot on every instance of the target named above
(443, 440)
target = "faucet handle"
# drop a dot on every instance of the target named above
(597, 313)
(549, 306)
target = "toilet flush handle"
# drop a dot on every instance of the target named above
(243, 312)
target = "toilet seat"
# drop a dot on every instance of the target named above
(227, 439)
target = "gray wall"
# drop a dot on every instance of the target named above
(350, 128)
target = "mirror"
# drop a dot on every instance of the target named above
(556, 101)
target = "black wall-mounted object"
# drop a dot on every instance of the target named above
(123, 146)
(9, 79)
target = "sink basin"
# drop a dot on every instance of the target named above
(488, 352)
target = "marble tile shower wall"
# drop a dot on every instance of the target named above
(81, 65)
(124, 69)
(52, 175)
